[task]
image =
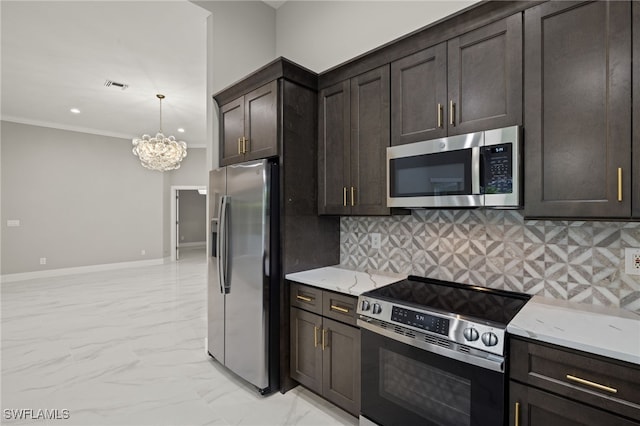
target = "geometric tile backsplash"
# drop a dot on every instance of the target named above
(581, 261)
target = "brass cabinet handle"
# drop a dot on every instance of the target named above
(303, 298)
(339, 309)
(353, 196)
(517, 415)
(344, 196)
(244, 145)
(590, 383)
(315, 336)
(239, 146)
(619, 183)
(324, 333)
(452, 113)
(440, 123)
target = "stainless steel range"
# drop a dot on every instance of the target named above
(433, 353)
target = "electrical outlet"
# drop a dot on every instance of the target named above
(143, 252)
(632, 261)
(375, 240)
(43, 260)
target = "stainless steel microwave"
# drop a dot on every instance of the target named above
(482, 169)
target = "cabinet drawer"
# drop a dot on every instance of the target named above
(339, 307)
(306, 297)
(608, 384)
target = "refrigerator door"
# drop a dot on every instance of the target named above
(215, 296)
(247, 314)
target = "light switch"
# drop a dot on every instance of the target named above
(12, 223)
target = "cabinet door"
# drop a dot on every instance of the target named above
(419, 96)
(261, 124)
(485, 77)
(370, 119)
(334, 149)
(534, 407)
(306, 350)
(341, 365)
(577, 93)
(636, 109)
(231, 130)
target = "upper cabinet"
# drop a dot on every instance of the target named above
(472, 82)
(577, 91)
(249, 126)
(636, 107)
(353, 137)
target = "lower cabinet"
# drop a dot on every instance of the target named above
(534, 407)
(325, 357)
(552, 385)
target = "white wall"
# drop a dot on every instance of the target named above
(322, 34)
(81, 200)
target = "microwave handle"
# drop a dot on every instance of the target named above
(475, 170)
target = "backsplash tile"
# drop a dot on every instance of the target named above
(580, 261)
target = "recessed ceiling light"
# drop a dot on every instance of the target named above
(181, 130)
(75, 110)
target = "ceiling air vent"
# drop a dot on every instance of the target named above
(111, 83)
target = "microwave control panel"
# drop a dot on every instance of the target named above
(497, 169)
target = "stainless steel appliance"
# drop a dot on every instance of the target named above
(433, 353)
(244, 271)
(472, 170)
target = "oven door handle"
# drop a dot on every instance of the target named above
(489, 361)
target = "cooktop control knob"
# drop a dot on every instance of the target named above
(365, 305)
(489, 339)
(376, 308)
(471, 334)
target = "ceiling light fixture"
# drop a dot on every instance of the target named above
(180, 130)
(75, 110)
(160, 153)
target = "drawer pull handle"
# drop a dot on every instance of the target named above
(517, 415)
(339, 309)
(315, 336)
(592, 384)
(303, 298)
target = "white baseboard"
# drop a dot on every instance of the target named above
(196, 244)
(8, 278)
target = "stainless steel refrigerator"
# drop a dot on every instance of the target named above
(243, 284)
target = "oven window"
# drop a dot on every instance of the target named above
(427, 175)
(403, 385)
(427, 391)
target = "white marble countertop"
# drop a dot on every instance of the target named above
(606, 331)
(342, 280)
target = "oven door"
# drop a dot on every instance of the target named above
(405, 385)
(438, 173)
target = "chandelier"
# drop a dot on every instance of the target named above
(160, 153)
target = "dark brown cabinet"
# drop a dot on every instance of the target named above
(353, 137)
(470, 83)
(249, 126)
(325, 351)
(550, 385)
(577, 91)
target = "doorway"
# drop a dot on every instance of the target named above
(188, 219)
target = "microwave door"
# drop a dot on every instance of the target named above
(440, 173)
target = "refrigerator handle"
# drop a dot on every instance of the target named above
(222, 244)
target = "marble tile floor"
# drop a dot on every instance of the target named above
(127, 347)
